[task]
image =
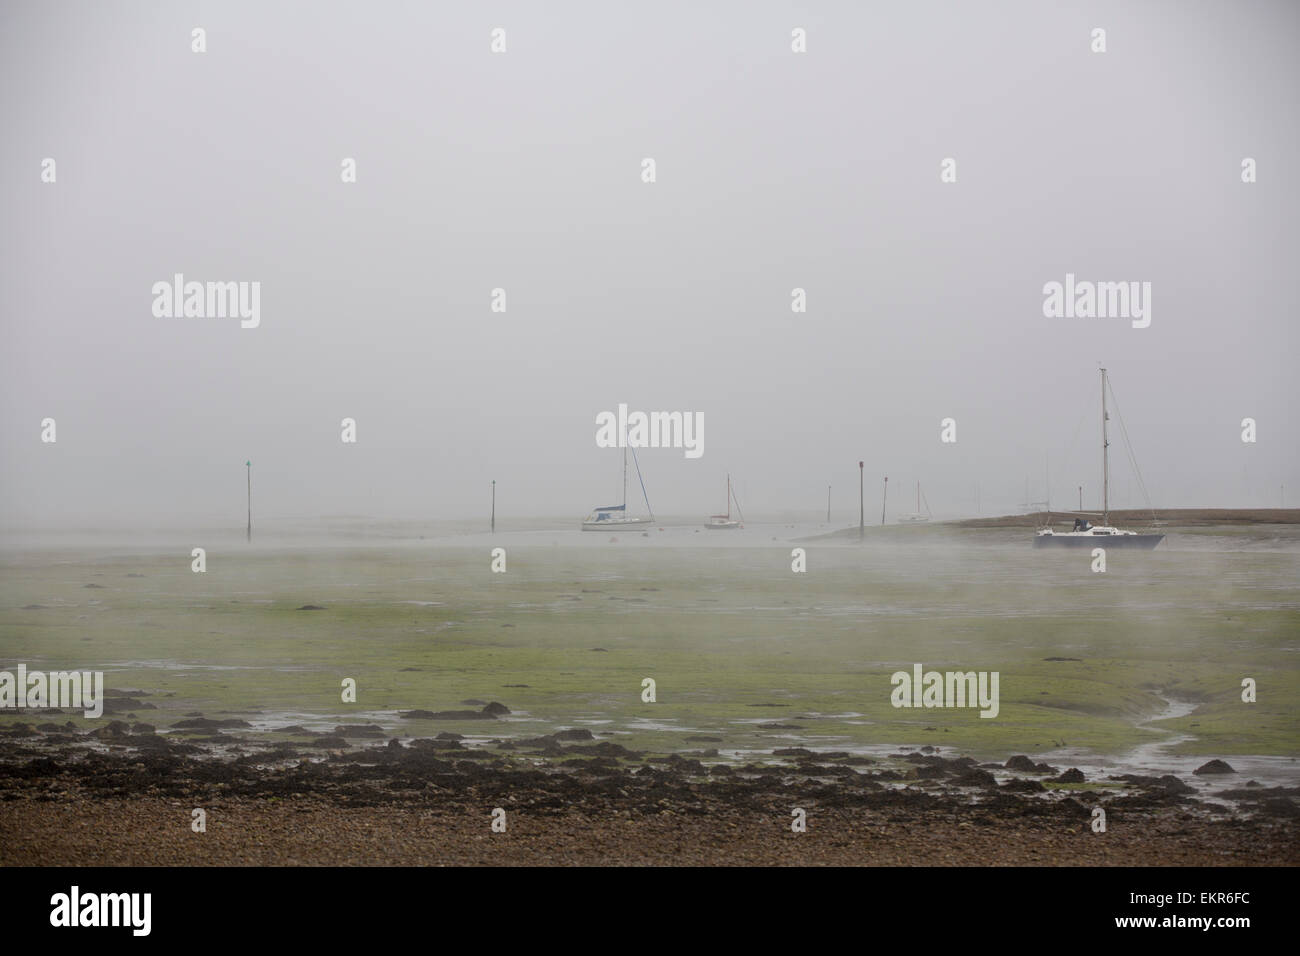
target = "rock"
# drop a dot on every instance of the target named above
(928, 772)
(1214, 766)
(974, 777)
(575, 733)
(115, 729)
(125, 705)
(207, 723)
(604, 749)
(142, 728)
(1023, 764)
(1172, 784)
(1281, 807)
(490, 712)
(311, 607)
(370, 731)
(1073, 775)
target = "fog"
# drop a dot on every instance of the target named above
(522, 171)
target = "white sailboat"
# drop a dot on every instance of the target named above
(1085, 534)
(615, 517)
(917, 515)
(726, 522)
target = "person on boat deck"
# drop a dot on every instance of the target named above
(1081, 524)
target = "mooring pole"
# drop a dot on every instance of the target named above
(828, 504)
(883, 496)
(249, 466)
(862, 508)
(494, 505)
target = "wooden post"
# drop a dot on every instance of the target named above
(862, 513)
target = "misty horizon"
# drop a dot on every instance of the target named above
(519, 171)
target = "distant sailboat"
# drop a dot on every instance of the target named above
(615, 517)
(917, 515)
(726, 522)
(1085, 534)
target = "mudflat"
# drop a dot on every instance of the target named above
(375, 703)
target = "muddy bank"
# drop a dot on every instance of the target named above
(569, 798)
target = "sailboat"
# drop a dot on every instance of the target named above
(1087, 535)
(726, 522)
(917, 515)
(615, 517)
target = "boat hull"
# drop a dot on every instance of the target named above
(1140, 542)
(616, 524)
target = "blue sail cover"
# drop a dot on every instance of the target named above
(613, 508)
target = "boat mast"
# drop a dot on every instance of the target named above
(1105, 457)
(625, 477)
(728, 496)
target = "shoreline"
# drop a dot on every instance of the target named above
(571, 802)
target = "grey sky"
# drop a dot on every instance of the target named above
(522, 170)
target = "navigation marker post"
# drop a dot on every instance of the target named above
(862, 508)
